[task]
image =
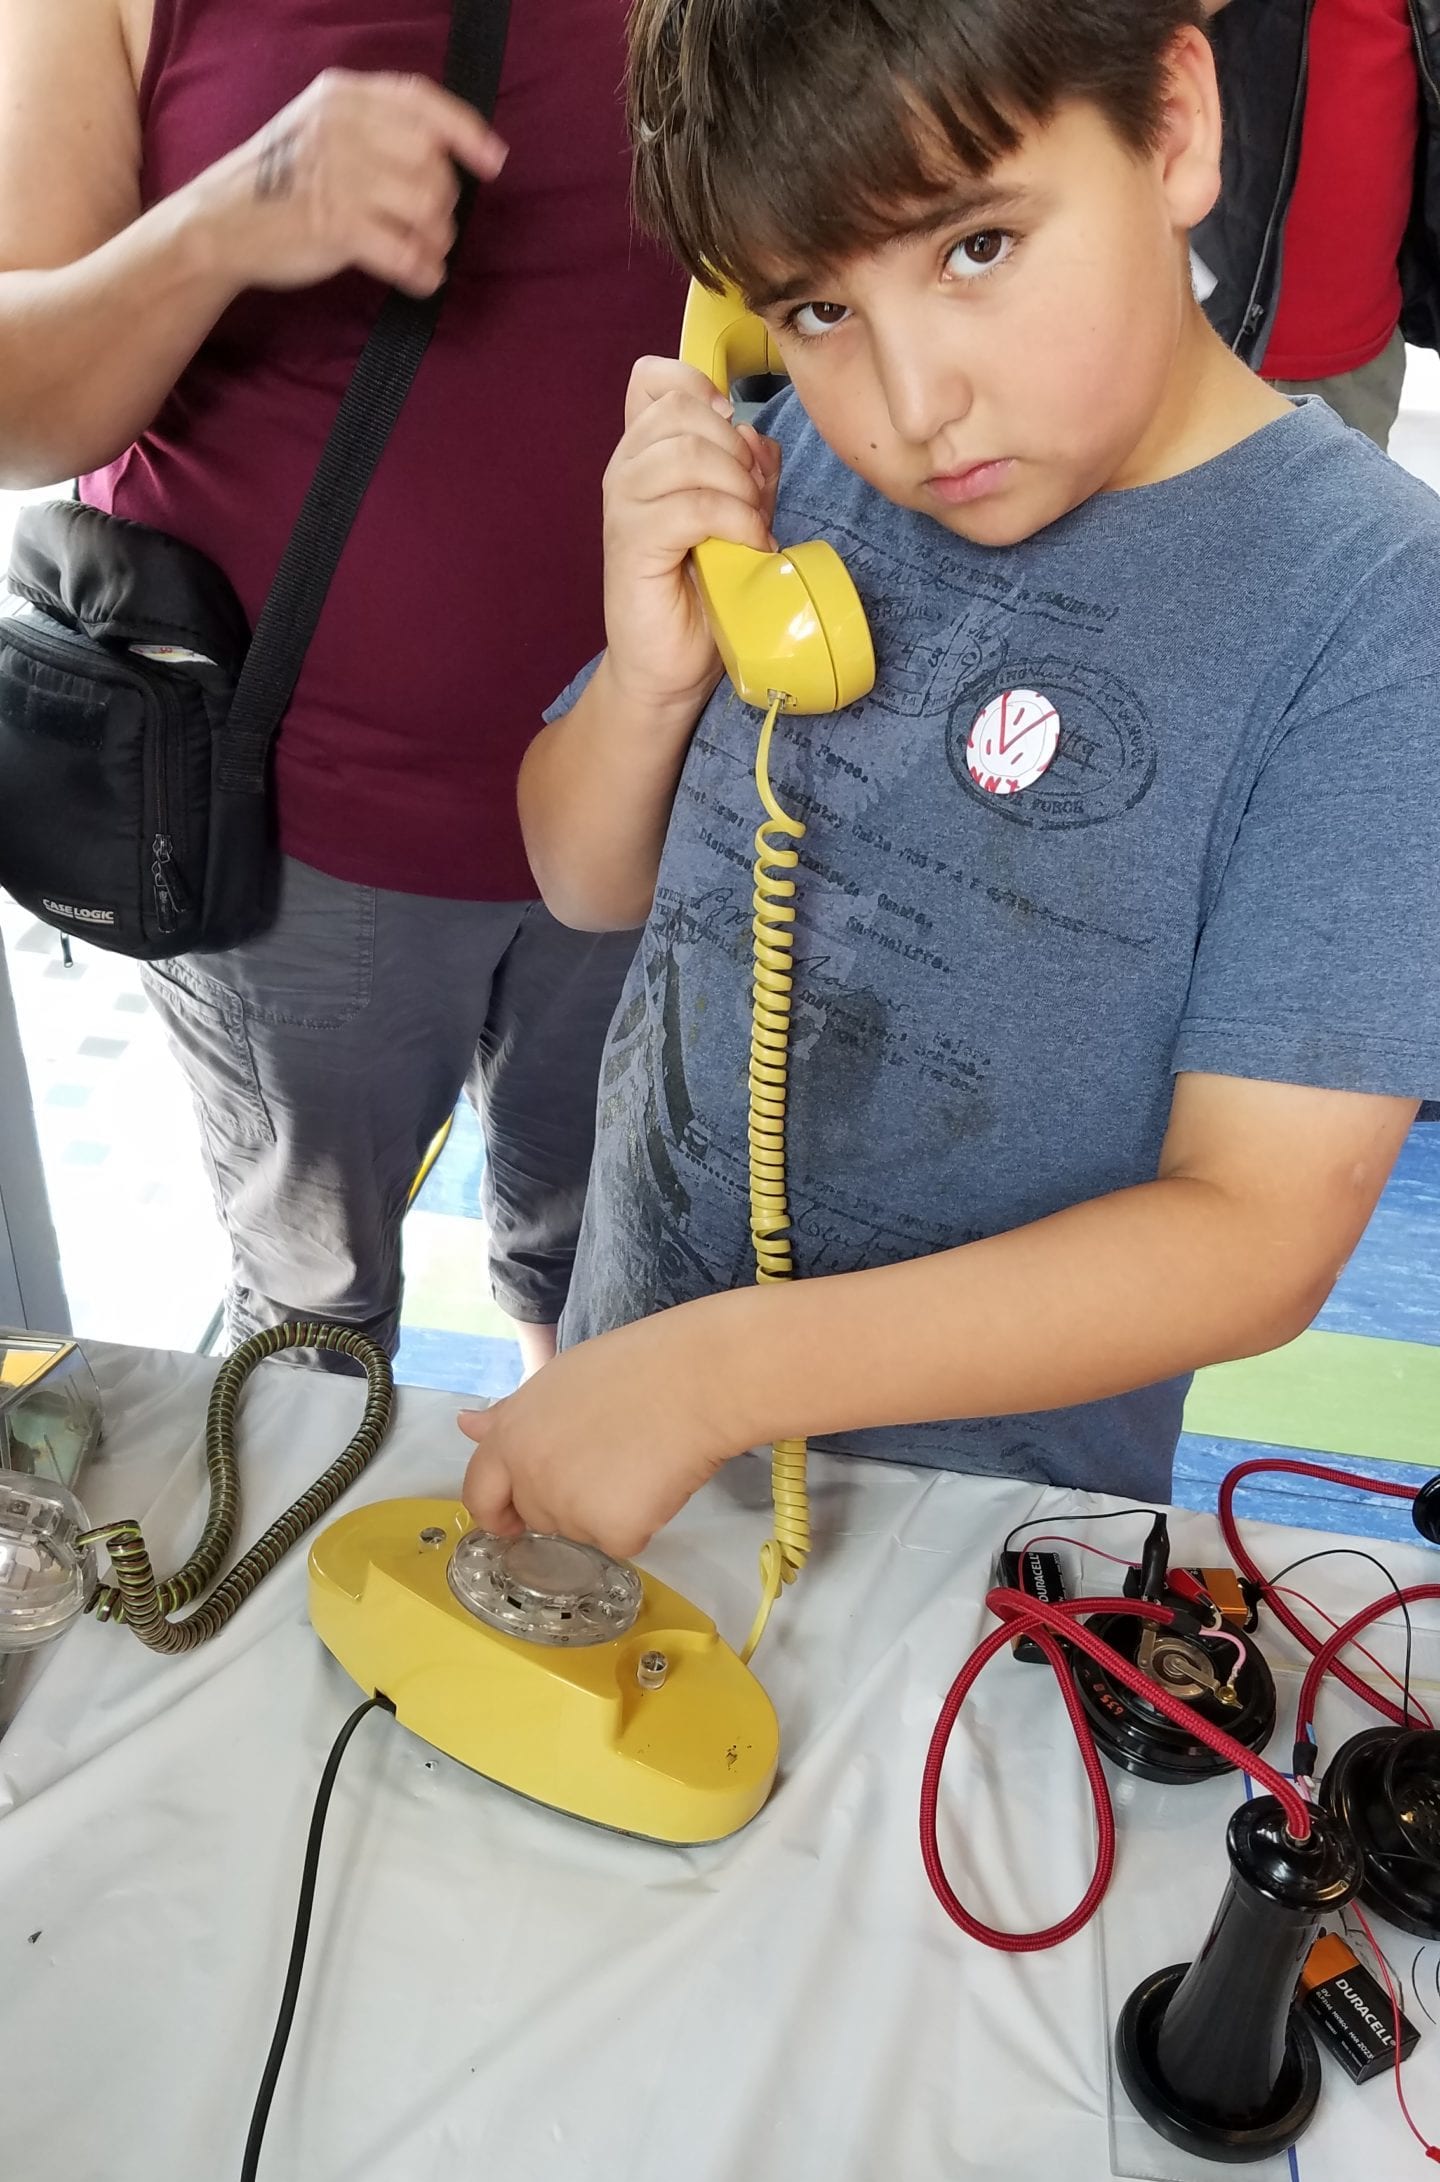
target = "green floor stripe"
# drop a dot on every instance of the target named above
(1337, 1393)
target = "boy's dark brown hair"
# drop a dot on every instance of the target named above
(781, 136)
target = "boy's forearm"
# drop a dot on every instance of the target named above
(595, 793)
(1109, 1296)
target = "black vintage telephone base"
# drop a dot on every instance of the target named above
(1138, 1737)
(1275, 2128)
(1384, 1785)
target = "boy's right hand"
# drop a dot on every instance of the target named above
(683, 473)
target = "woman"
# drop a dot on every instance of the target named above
(200, 210)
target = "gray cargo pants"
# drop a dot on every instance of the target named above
(1368, 399)
(324, 1055)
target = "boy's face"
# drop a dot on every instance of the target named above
(997, 369)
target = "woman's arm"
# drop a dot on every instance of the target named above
(101, 306)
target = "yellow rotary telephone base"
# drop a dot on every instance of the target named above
(573, 1727)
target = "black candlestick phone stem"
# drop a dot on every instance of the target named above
(1211, 2052)
(1384, 1785)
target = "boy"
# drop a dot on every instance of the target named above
(1105, 1039)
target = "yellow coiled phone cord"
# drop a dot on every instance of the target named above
(784, 1553)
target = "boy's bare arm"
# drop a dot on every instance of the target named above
(1263, 1191)
(597, 785)
(595, 794)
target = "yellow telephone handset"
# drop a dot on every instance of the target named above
(786, 624)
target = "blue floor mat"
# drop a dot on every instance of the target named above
(1306, 1503)
(463, 1363)
(1391, 1287)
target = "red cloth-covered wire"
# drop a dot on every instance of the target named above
(1431, 2151)
(1327, 1653)
(1283, 1613)
(1053, 1627)
(1416, 1708)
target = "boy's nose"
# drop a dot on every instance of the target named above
(925, 391)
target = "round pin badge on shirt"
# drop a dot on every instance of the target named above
(1013, 742)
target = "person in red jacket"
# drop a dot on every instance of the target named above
(201, 208)
(1335, 331)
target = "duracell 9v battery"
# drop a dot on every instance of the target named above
(1038, 1575)
(1352, 2010)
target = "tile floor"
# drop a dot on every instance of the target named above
(141, 1251)
(144, 1261)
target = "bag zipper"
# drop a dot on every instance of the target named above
(171, 895)
(172, 899)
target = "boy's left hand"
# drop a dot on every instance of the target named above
(606, 1443)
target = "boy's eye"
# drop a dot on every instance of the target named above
(810, 320)
(976, 254)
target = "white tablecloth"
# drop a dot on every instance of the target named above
(494, 1991)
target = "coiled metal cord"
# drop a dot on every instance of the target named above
(773, 929)
(137, 1598)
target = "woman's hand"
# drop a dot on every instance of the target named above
(683, 473)
(358, 171)
(609, 1441)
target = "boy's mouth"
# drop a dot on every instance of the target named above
(955, 487)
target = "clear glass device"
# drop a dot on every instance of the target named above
(543, 1588)
(45, 1575)
(49, 1407)
(50, 1422)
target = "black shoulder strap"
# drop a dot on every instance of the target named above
(373, 400)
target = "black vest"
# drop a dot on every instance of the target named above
(1261, 49)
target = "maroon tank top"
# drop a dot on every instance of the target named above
(470, 588)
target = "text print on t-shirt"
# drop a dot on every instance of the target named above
(1103, 759)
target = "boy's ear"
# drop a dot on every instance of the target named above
(1190, 129)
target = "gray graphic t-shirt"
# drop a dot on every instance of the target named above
(1231, 865)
